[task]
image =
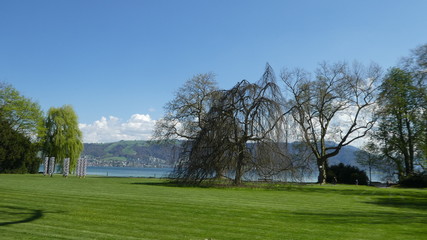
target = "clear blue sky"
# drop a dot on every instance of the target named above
(126, 58)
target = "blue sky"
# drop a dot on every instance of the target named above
(118, 62)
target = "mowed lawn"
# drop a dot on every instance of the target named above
(38, 207)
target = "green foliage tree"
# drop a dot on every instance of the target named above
(17, 153)
(401, 129)
(24, 115)
(416, 65)
(63, 138)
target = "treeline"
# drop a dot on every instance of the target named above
(247, 129)
(27, 134)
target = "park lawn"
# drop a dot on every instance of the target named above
(38, 207)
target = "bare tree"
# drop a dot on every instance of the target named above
(185, 114)
(334, 109)
(242, 132)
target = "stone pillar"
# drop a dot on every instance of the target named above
(51, 166)
(81, 167)
(46, 166)
(66, 167)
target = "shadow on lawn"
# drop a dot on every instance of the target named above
(401, 202)
(15, 215)
(357, 191)
(382, 197)
(367, 217)
(297, 187)
(168, 184)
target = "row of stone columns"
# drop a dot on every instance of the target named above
(49, 167)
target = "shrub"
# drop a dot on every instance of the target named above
(346, 174)
(416, 181)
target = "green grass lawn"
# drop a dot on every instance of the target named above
(37, 207)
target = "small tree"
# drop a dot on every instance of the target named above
(63, 138)
(368, 157)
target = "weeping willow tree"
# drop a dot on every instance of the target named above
(241, 134)
(63, 137)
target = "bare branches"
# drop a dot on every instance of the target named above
(332, 107)
(241, 132)
(186, 112)
(246, 128)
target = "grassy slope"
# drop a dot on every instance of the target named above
(37, 207)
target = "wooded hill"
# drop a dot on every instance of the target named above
(131, 154)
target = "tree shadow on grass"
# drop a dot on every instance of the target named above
(356, 191)
(10, 215)
(401, 202)
(368, 217)
(169, 184)
(15, 215)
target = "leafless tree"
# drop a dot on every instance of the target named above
(334, 109)
(185, 114)
(241, 133)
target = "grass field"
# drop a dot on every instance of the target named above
(37, 207)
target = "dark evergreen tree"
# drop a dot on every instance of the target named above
(346, 174)
(17, 153)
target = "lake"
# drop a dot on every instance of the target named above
(129, 172)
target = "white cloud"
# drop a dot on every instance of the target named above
(138, 127)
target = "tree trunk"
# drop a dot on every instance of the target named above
(321, 164)
(238, 177)
(239, 165)
(411, 151)
(370, 175)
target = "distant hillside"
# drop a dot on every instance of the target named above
(345, 156)
(131, 153)
(152, 154)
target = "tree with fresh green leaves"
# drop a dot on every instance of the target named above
(63, 138)
(24, 115)
(401, 128)
(416, 65)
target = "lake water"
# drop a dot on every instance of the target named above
(129, 172)
(164, 173)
